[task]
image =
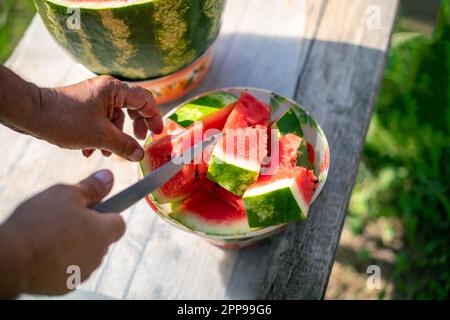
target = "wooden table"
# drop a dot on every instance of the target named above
(327, 54)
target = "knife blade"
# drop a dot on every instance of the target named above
(154, 180)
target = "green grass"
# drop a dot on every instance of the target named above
(405, 170)
(15, 15)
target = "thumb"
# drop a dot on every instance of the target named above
(124, 145)
(96, 187)
(110, 225)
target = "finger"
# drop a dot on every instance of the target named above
(140, 128)
(123, 145)
(141, 100)
(118, 118)
(96, 187)
(106, 153)
(111, 226)
(87, 152)
(133, 114)
(154, 124)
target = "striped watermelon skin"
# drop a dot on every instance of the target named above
(137, 40)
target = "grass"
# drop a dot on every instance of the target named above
(405, 169)
(15, 15)
(400, 208)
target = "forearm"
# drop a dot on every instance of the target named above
(13, 263)
(20, 103)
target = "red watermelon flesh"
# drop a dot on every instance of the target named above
(214, 210)
(286, 155)
(236, 160)
(170, 128)
(189, 179)
(248, 112)
(289, 145)
(217, 119)
(172, 142)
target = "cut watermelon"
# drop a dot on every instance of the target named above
(201, 107)
(213, 210)
(174, 141)
(236, 160)
(170, 128)
(281, 198)
(185, 182)
(289, 124)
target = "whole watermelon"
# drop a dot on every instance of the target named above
(133, 39)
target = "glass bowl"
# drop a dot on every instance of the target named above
(315, 138)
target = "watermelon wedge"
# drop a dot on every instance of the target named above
(289, 124)
(186, 181)
(170, 128)
(214, 210)
(280, 198)
(236, 160)
(201, 107)
(172, 142)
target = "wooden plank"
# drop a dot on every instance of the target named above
(168, 259)
(338, 85)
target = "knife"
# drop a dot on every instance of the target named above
(154, 180)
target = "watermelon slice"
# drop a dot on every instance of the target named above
(175, 139)
(186, 181)
(201, 107)
(214, 210)
(236, 160)
(280, 198)
(289, 124)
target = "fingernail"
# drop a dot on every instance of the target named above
(137, 155)
(106, 177)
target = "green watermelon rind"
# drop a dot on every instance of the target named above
(277, 203)
(215, 228)
(289, 123)
(232, 177)
(199, 108)
(134, 41)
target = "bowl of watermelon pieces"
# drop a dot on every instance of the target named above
(268, 167)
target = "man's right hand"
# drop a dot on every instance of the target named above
(54, 230)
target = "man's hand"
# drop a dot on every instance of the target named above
(53, 230)
(89, 116)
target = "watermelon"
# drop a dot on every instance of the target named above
(213, 210)
(133, 39)
(170, 128)
(186, 181)
(172, 142)
(236, 160)
(199, 108)
(280, 198)
(227, 193)
(289, 124)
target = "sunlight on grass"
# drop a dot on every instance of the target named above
(15, 15)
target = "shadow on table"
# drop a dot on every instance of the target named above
(337, 83)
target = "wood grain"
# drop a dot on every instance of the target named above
(323, 54)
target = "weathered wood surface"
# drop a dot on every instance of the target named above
(328, 55)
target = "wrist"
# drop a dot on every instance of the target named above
(15, 262)
(45, 100)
